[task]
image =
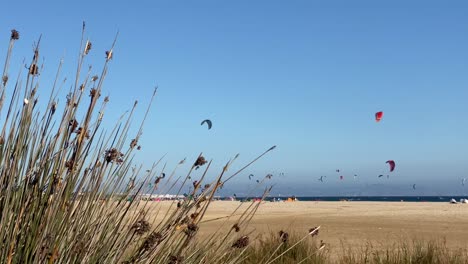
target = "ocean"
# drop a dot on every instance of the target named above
(443, 199)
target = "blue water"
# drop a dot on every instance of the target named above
(376, 198)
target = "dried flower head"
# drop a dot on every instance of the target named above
(314, 231)
(88, 47)
(33, 69)
(109, 55)
(106, 99)
(283, 236)
(236, 227)
(113, 155)
(199, 162)
(176, 259)
(69, 165)
(33, 181)
(4, 79)
(207, 186)
(133, 143)
(2, 140)
(152, 240)
(14, 34)
(94, 92)
(191, 230)
(80, 130)
(139, 147)
(195, 184)
(194, 215)
(73, 124)
(53, 107)
(140, 227)
(241, 242)
(322, 244)
(94, 78)
(179, 204)
(158, 179)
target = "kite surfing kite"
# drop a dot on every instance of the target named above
(250, 176)
(378, 116)
(381, 175)
(414, 186)
(321, 178)
(337, 170)
(463, 181)
(392, 164)
(208, 122)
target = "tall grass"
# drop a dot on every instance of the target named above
(70, 193)
(417, 251)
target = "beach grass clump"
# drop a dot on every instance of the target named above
(283, 247)
(413, 252)
(70, 191)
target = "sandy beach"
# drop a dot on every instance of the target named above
(355, 223)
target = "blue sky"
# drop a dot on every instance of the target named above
(305, 76)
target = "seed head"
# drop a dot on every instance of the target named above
(113, 155)
(199, 162)
(88, 47)
(14, 34)
(33, 69)
(314, 231)
(133, 143)
(152, 240)
(140, 227)
(283, 236)
(191, 230)
(176, 259)
(73, 124)
(109, 55)
(94, 92)
(241, 242)
(194, 216)
(236, 227)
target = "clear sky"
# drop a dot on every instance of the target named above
(303, 75)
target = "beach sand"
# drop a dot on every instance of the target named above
(354, 223)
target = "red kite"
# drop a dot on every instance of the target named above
(392, 164)
(378, 116)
